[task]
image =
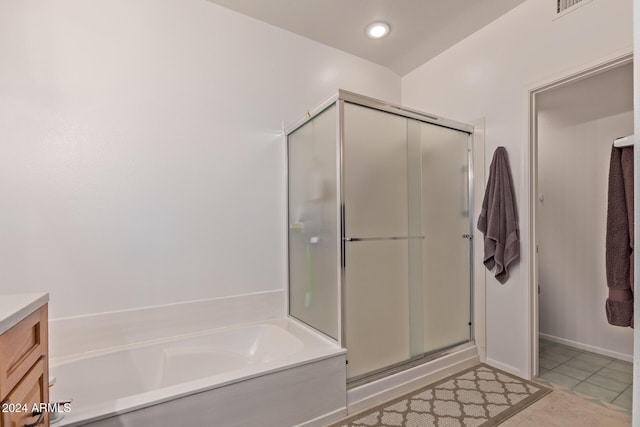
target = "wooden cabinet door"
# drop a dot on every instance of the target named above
(20, 348)
(33, 389)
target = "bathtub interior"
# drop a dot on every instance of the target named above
(228, 351)
(120, 379)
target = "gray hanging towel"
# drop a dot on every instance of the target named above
(619, 239)
(499, 218)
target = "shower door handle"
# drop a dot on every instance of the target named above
(364, 239)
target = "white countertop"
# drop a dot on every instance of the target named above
(14, 308)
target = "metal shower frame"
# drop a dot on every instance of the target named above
(339, 99)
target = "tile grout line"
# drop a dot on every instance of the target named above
(625, 389)
(580, 352)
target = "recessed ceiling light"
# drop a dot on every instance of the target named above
(378, 30)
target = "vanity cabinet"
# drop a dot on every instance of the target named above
(24, 371)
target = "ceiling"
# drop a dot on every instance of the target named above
(420, 29)
(602, 95)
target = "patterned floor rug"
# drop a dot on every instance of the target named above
(479, 396)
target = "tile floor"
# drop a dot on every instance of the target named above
(603, 378)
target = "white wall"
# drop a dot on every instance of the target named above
(576, 126)
(489, 74)
(141, 161)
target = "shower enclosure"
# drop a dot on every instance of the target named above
(379, 231)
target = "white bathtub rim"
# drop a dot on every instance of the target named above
(178, 391)
(319, 334)
(279, 322)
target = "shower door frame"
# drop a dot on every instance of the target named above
(339, 99)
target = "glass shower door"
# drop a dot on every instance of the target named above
(379, 328)
(379, 232)
(446, 226)
(406, 239)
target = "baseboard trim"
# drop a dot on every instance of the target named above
(325, 419)
(587, 347)
(507, 368)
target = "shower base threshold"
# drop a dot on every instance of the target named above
(367, 392)
(407, 364)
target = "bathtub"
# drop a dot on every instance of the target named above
(273, 373)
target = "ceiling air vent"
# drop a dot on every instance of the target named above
(566, 4)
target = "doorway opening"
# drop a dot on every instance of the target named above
(574, 122)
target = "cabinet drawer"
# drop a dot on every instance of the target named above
(20, 348)
(34, 388)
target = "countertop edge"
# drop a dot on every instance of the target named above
(23, 310)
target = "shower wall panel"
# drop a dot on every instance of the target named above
(313, 223)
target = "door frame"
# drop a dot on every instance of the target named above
(532, 277)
